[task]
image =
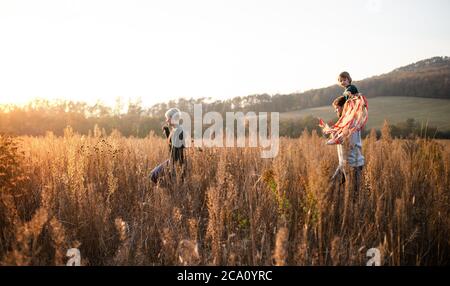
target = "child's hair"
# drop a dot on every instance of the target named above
(345, 75)
(340, 101)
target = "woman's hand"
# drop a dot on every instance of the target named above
(166, 131)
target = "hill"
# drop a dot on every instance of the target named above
(428, 78)
(420, 91)
(395, 109)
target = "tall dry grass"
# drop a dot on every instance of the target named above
(234, 208)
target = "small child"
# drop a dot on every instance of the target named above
(345, 80)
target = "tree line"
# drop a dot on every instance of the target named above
(427, 78)
(40, 116)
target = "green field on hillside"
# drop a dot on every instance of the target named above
(395, 109)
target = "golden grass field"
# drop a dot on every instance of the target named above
(233, 208)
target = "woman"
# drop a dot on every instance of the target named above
(174, 135)
(175, 139)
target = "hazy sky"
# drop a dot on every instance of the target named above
(161, 50)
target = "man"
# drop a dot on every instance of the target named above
(351, 154)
